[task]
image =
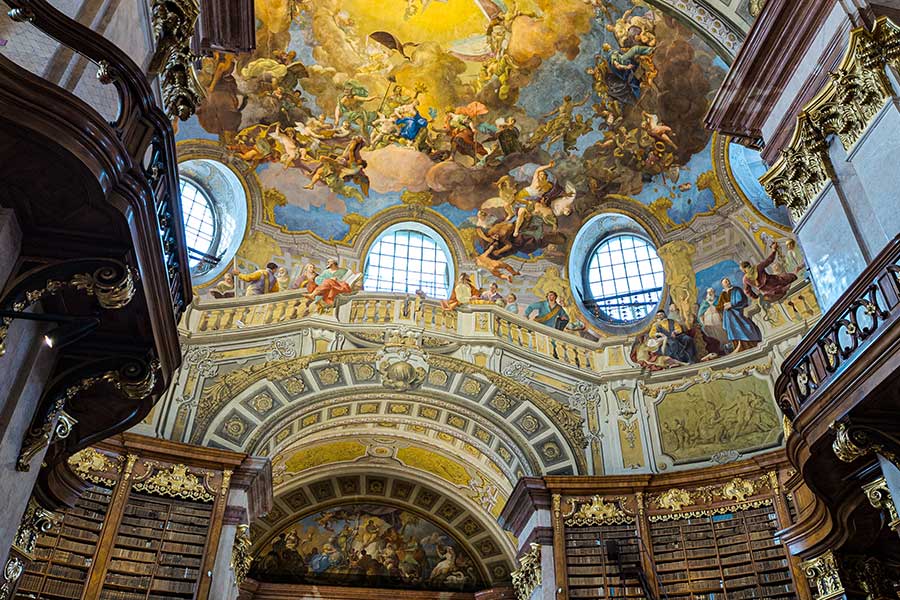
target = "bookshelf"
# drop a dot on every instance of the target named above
(158, 549)
(147, 526)
(728, 556)
(592, 573)
(64, 555)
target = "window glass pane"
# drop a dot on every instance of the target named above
(199, 220)
(625, 277)
(408, 260)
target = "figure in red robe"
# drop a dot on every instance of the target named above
(330, 284)
(759, 283)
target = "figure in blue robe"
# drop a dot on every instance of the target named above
(549, 312)
(742, 332)
(622, 83)
(411, 126)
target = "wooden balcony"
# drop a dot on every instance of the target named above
(838, 389)
(97, 201)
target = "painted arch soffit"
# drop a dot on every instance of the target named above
(542, 434)
(474, 530)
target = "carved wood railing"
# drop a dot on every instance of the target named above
(868, 310)
(138, 146)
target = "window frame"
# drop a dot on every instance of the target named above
(211, 205)
(427, 232)
(603, 319)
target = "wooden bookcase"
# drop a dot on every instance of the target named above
(706, 534)
(64, 555)
(148, 526)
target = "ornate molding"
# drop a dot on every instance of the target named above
(90, 465)
(853, 441)
(737, 492)
(527, 577)
(824, 576)
(705, 376)
(111, 283)
(12, 570)
(600, 512)
(176, 482)
(241, 558)
(134, 379)
(845, 107)
(173, 26)
(35, 521)
(879, 497)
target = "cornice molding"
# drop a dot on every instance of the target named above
(765, 63)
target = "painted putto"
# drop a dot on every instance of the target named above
(367, 545)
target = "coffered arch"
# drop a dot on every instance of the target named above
(262, 407)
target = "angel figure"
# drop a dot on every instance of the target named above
(497, 268)
(506, 197)
(658, 130)
(349, 166)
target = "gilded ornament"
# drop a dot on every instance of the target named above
(527, 577)
(12, 570)
(241, 558)
(599, 512)
(112, 285)
(823, 576)
(738, 490)
(36, 520)
(87, 463)
(845, 447)
(550, 450)
(879, 497)
(329, 375)
(674, 499)
(262, 403)
(471, 387)
(438, 377)
(177, 482)
(173, 26)
(844, 107)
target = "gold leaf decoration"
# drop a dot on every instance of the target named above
(177, 482)
(599, 512)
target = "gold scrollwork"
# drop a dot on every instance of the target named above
(57, 424)
(35, 521)
(177, 482)
(173, 25)
(737, 491)
(527, 577)
(824, 576)
(600, 512)
(241, 559)
(674, 499)
(845, 107)
(12, 570)
(879, 497)
(89, 462)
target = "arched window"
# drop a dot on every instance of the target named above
(200, 223)
(408, 257)
(624, 278)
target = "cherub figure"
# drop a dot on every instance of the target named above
(658, 130)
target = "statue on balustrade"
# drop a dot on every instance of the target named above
(741, 331)
(263, 281)
(763, 285)
(549, 312)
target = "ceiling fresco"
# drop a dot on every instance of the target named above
(371, 545)
(348, 108)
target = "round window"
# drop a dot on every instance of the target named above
(624, 279)
(409, 257)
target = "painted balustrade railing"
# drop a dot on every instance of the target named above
(365, 311)
(868, 310)
(372, 309)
